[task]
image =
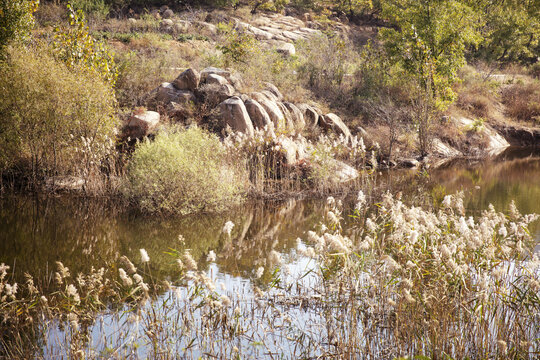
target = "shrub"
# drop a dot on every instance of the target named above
(76, 47)
(16, 19)
(95, 9)
(522, 101)
(59, 120)
(183, 172)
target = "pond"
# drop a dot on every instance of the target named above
(36, 232)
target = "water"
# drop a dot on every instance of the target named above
(35, 232)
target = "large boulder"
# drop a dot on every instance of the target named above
(188, 80)
(167, 14)
(273, 90)
(311, 117)
(215, 94)
(140, 125)
(333, 122)
(216, 79)
(234, 114)
(167, 93)
(296, 116)
(258, 115)
(216, 71)
(289, 123)
(286, 49)
(288, 148)
(233, 78)
(272, 109)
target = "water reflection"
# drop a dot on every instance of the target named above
(36, 232)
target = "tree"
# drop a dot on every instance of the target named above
(76, 47)
(16, 20)
(511, 31)
(427, 42)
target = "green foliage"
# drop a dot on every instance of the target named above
(236, 47)
(76, 47)
(428, 44)
(430, 41)
(97, 9)
(16, 20)
(511, 31)
(183, 172)
(56, 119)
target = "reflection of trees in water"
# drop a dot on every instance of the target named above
(35, 232)
(83, 233)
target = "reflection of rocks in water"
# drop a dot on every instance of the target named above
(267, 228)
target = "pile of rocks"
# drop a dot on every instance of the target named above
(283, 122)
(264, 110)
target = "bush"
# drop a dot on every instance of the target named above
(16, 19)
(77, 48)
(183, 172)
(522, 101)
(57, 119)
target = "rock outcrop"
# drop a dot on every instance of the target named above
(140, 125)
(235, 115)
(188, 80)
(333, 122)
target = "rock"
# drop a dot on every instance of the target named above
(206, 27)
(258, 33)
(443, 150)
(272, 109)
(188, 80)
(344, 173)
(333, 122)
(181, 26)
(215, 79)
(311, 117)
(132, 21)
(141, 125)
(340, 171)
(288, 148)
(258, 115)
(408, 163)
(270, 95)
(167, 93)
(166, 24)
(216, 94)
(274, 90)
(213, 70)
(289, 123)
(495, 142)
(519, 135)
(307, 17)
(286, 49)
(167, 14)
(65, 183)
(294, 36)
(234, 114)
(296, 116)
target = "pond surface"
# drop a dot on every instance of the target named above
(36, 232)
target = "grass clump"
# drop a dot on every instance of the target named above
(183, 172)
